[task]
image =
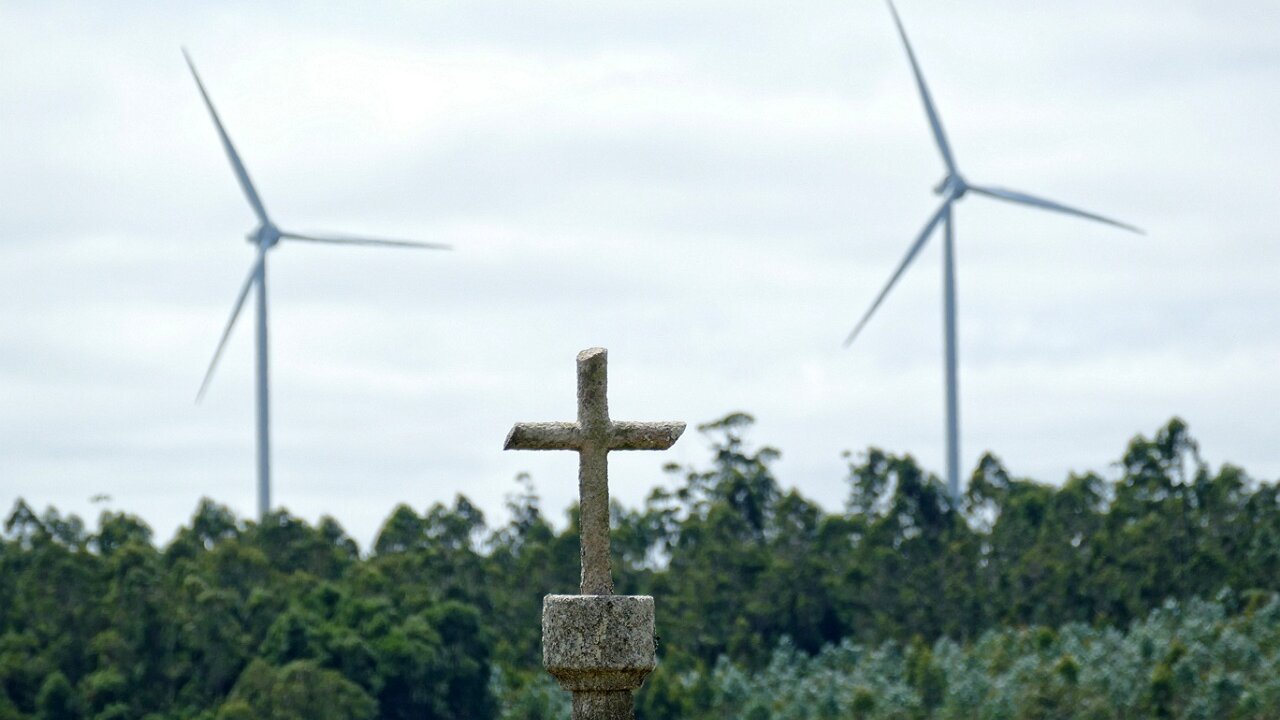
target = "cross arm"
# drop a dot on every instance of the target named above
(644, 435)
(544, 436)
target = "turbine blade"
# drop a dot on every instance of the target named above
(911, 255)
(235, 313)
(1033, 201)
(352, 240)
(241, 174)
(934, 122)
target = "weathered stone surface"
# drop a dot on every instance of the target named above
(604, 705)
(598, 643)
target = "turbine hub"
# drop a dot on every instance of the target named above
(265, 235)
(952, 185)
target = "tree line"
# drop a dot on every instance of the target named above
(440, 618)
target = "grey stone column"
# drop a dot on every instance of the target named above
(617, 705)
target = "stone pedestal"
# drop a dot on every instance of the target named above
(600, 648)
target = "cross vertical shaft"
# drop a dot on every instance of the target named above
(593, 472)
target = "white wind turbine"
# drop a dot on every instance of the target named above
(265, 237)
(952, 188)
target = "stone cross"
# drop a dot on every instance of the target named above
(593, 436)
(598, 645)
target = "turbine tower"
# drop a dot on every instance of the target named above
(952, 188)
(264, 237)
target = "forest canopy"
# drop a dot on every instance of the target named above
(904, 603)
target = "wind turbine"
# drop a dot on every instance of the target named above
(952, 188)
(264, 237)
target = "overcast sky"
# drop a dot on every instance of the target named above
(714, 191)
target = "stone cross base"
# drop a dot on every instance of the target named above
(600, 648)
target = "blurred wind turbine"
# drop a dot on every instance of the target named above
(265, 237)
(952, 188)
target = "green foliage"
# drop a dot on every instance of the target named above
(57, 700)
(300, 690)
(536, 697)
(1184, 660)
(233, 619)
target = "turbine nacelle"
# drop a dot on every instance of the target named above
(952, 186)
(265, 236)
